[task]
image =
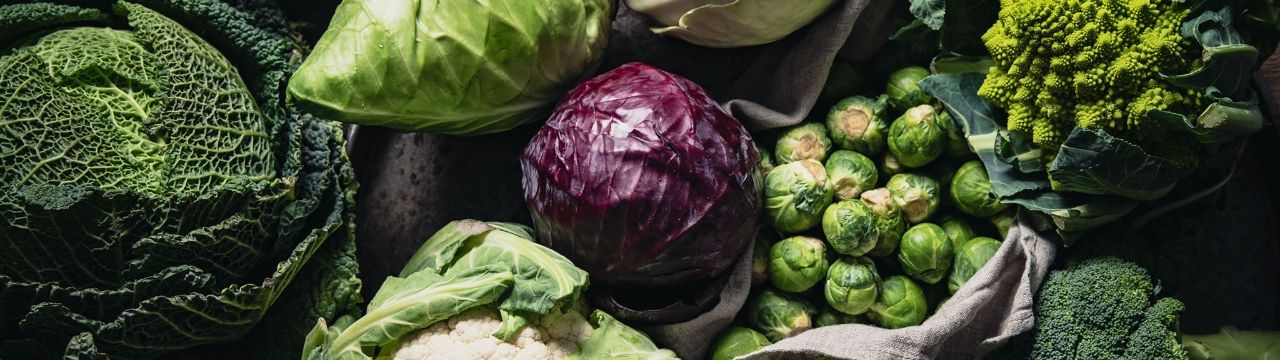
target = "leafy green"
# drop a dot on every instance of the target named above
(545, 279)
(615, 340)
(403, 305)
(977, 118)
(1230, 343)
(930, 12)
(451, 67)
(468, 264)
(157, 193)
(1094, 162)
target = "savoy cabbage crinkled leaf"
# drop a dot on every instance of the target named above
(157, 195)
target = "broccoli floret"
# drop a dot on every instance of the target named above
(1105, 308)
(1094, 64)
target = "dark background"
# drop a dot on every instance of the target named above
(1218, 255)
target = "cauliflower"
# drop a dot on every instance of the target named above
(469, 335)
(1094, 64)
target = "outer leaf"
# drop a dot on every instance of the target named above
(1228, 63)
(544, 279)
(930, 12)
(452, 67)
(977, 117)
(1094, 162)
(734, 23)
(403, 305)
(615, 340)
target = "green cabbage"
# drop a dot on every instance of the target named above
(451, 67)
(156, 193)
(730, 23)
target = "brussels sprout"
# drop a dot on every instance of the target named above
(858, 124)
(738, 341)
(915, 138)
(901, 304)
(797, 263)
(904, 90)
(795, 194)
(890, 166)
(850, 174)
(851, 227)
(957, 146)
(926, 253)
(916, 195)
(958, 230)
(804, 141)
(890, 223)
(1003, 221)
(828, 316)
(766, 159)
(852, 285)
(778, 315)
(971, 191)
(760, 257)
(969, 259)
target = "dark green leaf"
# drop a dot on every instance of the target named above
(929, 12)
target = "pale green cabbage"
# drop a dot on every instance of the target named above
(730, 23)
(451, 67)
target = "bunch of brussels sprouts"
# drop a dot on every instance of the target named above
(866, 241)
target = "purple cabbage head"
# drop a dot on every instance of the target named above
(643, 180)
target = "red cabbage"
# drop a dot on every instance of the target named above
(643, 180)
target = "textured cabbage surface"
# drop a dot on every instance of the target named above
(452, 67)
(156, 192)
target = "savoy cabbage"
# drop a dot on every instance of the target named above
(158, 194)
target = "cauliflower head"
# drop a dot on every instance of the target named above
(469, 335)
(1094, 64)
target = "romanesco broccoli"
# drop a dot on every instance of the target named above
(1094, 64)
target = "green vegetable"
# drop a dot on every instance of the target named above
(956, 146)
(797, 263)
(890, 223)
(915, 138)
(795, 195)
(851, 227)
(158, 195)
(850, 173)
(778, 315)
(901, 304)
(852, 285)
(958, 230)
(1232, 344)
(828, 316)
(916, 195)
(903, 88)
(738, 341)
(1105, 308)
(1004, 220)
(971, 191)
(470, 264)
(1119, 112)
(858, 124)
(890, 166)
(926, 253)
(804, 141)
(451, 67)
(726, 24)
(969, 258)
